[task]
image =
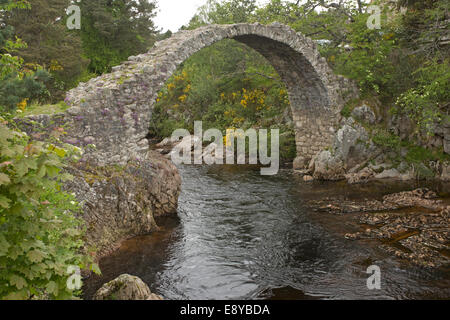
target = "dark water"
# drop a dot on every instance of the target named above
(244, 236)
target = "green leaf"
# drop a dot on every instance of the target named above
(52, 171)
(17, 295)
(52, 288)
(21, 168)
(36, 255)
(96, 269)
(17, 281)
(41, 172)
(4, 179)
(4, 245)
(4, 202)
(60, 152)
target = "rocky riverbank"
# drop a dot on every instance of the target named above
(356, 157)
(121, 202)
(413, 226)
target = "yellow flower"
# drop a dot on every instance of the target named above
(244, 103)
(183, 98)
(22, 105)
(388, 36)
(171, 86)
(55, 66)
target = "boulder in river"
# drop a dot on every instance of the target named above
(328, 166)
(125, 287)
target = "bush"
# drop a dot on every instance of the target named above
(40, 235)
(427, 102)
(385, 139)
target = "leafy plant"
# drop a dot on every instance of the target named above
(40, 233)
(429, 100)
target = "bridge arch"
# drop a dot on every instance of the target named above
(114, 110)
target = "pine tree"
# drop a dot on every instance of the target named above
(113, 30)
(18, 84)
(50, 43)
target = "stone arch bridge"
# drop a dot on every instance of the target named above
(114, 110)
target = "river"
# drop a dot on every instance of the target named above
(240, 235)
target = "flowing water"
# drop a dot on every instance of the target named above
(240, 235)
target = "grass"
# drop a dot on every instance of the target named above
(37, 109)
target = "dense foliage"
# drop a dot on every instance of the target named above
(114, 30)
(235, 89)
(40, 235)
(50, 43)
(18, 82)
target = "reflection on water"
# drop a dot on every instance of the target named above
(244, 236)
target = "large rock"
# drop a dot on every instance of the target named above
(445, 176)
(123, 202)
(388, 174)
(447, 137)
(364, 114)
(360, 177)
(351, 146)
(328, 167)
(125, 287)
(299, 163)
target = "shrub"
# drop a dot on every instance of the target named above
(40, 235)
(385, 139)
(427, 102)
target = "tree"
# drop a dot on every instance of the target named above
(18, 84)
(215, 12)
(113, 30)
(49, 42)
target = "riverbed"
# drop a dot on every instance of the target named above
(240, 235)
